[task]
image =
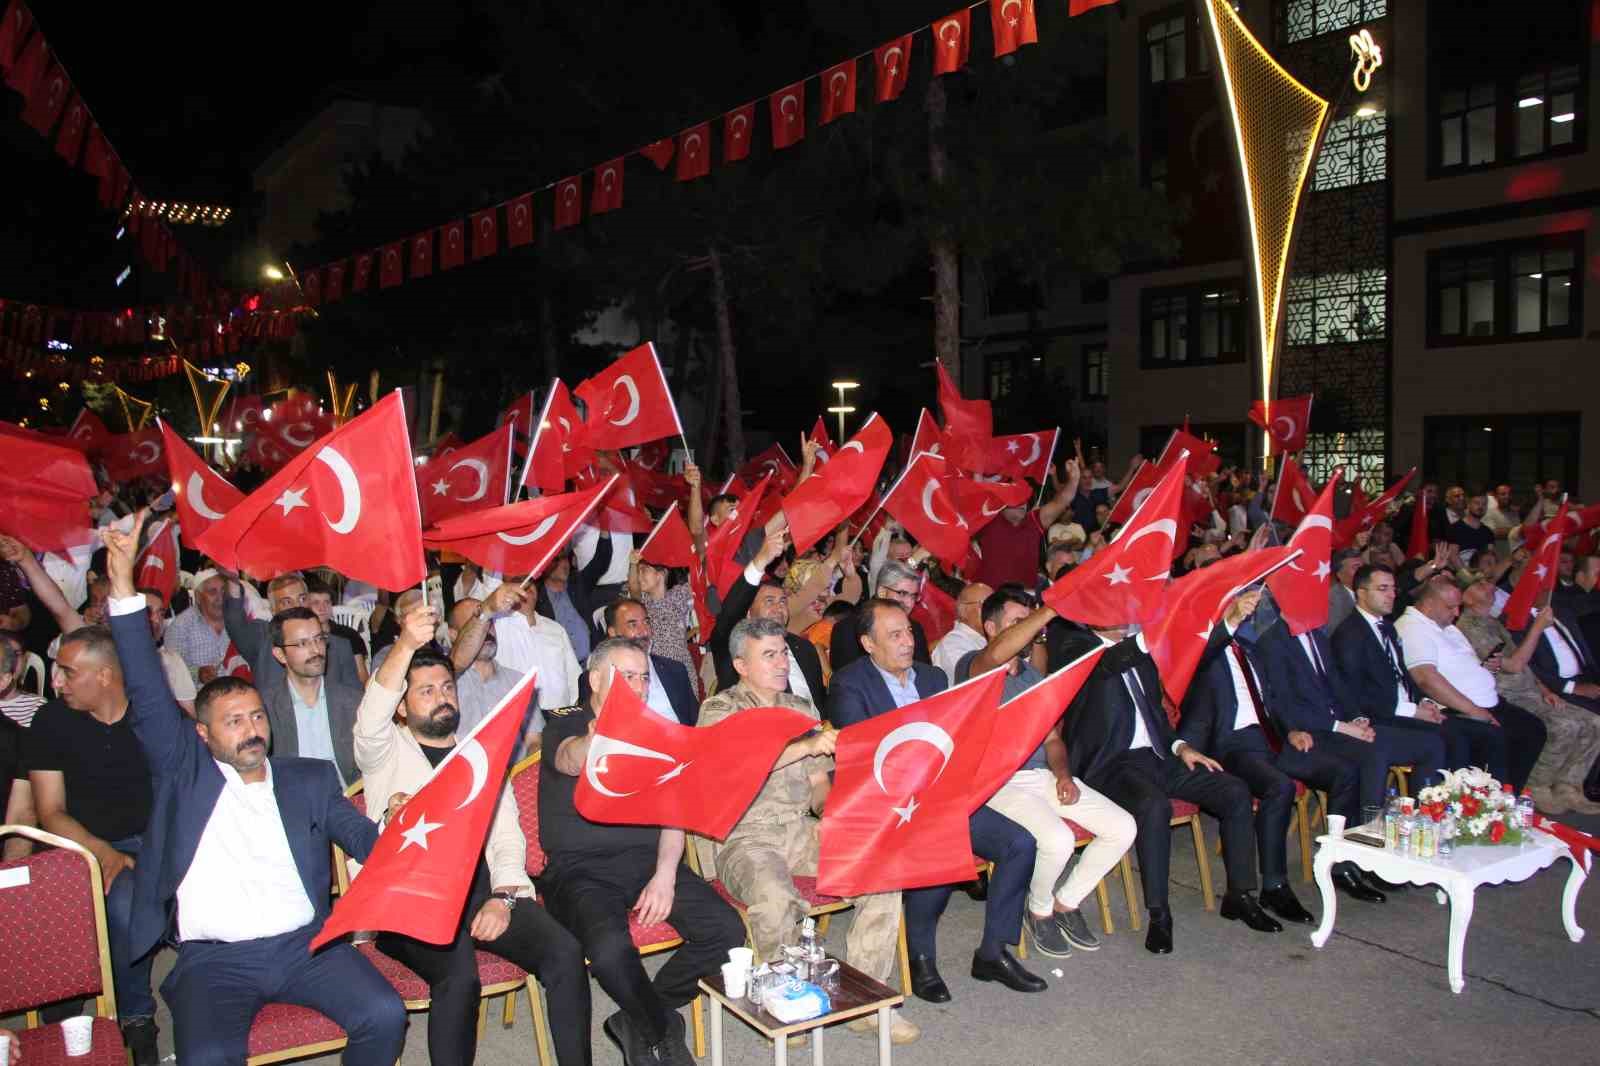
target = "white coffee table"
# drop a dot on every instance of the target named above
(1457, 876)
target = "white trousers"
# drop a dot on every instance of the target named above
(1029, 799)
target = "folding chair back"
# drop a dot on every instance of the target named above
(53, 941)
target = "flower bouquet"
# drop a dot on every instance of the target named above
(1484, 811)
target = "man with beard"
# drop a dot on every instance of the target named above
(480, 681)
(312, 714)
(397, 760)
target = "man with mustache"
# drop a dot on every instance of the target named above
(395, 761)
(313, 715)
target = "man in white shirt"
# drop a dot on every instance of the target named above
(967, 636)
(1499, 736)
(527, 641)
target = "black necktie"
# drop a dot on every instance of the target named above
(1391, 640)
(1141, 703)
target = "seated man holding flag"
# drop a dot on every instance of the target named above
(777, 837)
(598, 874)
(395, 761)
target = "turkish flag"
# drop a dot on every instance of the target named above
(1013, 24)
(928, 437)
(1417, 540)
(244, 413)
(14, 26)
(1203, 458)
(1367, 514)
(644, 770)
(629, 403)
(968, 424)
(1286, 421)
(819, 436)
(833, 493)
(619, 510)
(421, 256)
(902, 793)
(130, 456)
(333, 288)
(1538, 578)
(1124, 581)
(485, 234)
(203, 495)
(654, 489)
(49, 96)
(472, 477)
(838, 90)
(1292, 499)
(156, 568)
(935, 611)
(607, 195)
(921, 502)
(389, 273)
(97, 154)
(323, 509)
(1177, 637)
(1575, 522)
(295, 425)
(452, 245)
(980, 500)
(519, 538)
(893, 62)
(45, 488)
(558, 452)
(362, 272)
(723, 541)
(737, 127)
(569, 202)
(952, 42)
(694, 152)
(788, 109)
(1301, 588)
(774, 460)
(234, 665)
(415, 881)
(87, 433)
(311, 286)
(669, 543)
(1080, 7)
(1025, 721)
(69, 142)
(659, 152)
(1024, 455)
(519, 221)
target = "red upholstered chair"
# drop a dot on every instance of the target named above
(649, 939)
(1300, 823)
(1186, 813)
(53, 946)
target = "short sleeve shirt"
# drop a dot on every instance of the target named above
(1015, 685)
(1010, 552)
(107, 778)
(561, 828)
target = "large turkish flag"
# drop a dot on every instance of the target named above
(1024, 723)
(1301, 588)
(472, 477)
(520, 538)
(921, 501)
(203, 495)
(832, 493)
(629, 403)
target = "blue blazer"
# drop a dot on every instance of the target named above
(1304, 700)
(674, 678)
(187, 785)
(858, 692)
(1367, 668)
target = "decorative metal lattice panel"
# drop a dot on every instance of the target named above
(1301, 20)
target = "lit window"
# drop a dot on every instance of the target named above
(1309, 18)
(1336, 308)
(1355, 151)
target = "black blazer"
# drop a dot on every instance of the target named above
(1211, 706)
(1368, 670)
(1099, 723)
(1303, 699)
(580, 590)
(1544, 665)
(187, 785)
(674, 678)
(859, 691)
(844, 647)
(740, 596)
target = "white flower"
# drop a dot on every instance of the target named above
(1448, 781)
(1477, 777)
(1432, 794)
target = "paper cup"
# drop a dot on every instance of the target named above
(5, 1049)
(734, 980)
(745, 957)
(78, 1034)
(1336, 825)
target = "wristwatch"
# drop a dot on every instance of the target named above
(508, 898)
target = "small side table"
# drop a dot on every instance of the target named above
(857, 995)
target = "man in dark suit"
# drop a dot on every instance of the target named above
(1231, 710)
(898, 583)
(885, 679)
(251, 638)
(1564, 661)
(1372, 659)
(235, 860)
(670, 694)
(755, 595)
(1124, 747)
(313, 716)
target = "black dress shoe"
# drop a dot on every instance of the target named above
(1158, 940)
(1242, 907)
(1350, 883)
(978, 890)
(926, 982)
(1007, 971)
(1282, 902)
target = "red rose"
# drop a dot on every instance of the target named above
(1497, 832)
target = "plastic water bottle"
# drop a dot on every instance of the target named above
(808, 939)
(1447, 836)
(1525, 811)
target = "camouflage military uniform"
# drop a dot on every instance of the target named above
(776, 840)
(1572, 740)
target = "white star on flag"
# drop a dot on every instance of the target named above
(291, 499)
(674, 772)
(1541, 570)
(441, 487)
(907, 811)
(1119, 574)
(1013, 447)
(418, 834)
(1322, 571)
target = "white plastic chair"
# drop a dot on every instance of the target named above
(354, 617)
(33, 667)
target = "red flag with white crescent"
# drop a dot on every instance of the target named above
(922, 503)
(519, 221)
(607, 193)
(1368, 513)
(669, 543)
(644, 770)
(1294, 495)
(724, 540)
(788, 107)
(819, 436)
(1286, 421)
(1023, 455)
(415, 881)
(629, 403)
(130, 456)
(1538, 578)
(838, 87)
(928, 437)
(472, 477)
(569, 202)
(519, 538)
(157, 566)
(1203, 458)
(952, 42)
(694, 152)
(967, 423)
(87, 432)
(1301, 588)
(1013, 24)
(203, 496)
(1025, 720)
(893, 62)
(485, 233)
(831, 494)
(738, 126)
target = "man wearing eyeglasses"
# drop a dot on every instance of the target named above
(312, 715)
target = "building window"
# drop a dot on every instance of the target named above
(1547, 110)
(1309, 18)
(1482, 451)
(1355, 151)
(1514, 290)
(1466, 126)
(1336, 308)
(1165, 48)
(1096, 373)
(1534, 114)
(1198, 325)
(1002, 369)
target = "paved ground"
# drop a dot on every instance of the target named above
(1377, 993)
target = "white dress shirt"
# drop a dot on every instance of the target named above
(1566, 654)
(797, 679)
(1403, 707)
(243, 883)
(956, 643)
(658, 700)
(1244, 715)
(540, 645)
(587, 540)
(1141, 735)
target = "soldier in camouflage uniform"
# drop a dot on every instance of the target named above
(778, 836)
(1572, 734)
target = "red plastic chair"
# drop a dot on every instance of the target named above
(54, 946)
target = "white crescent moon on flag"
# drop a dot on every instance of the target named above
(891, 59)
(834, 81)
(349, 488)
(924, 731)
(601, 746)
(479, 467)
(486, 227)
(1311, 521)
(783, 106)
(478, 759)
(852, 446)
(155, 561)
(990, 514)
(1167, 528)
(955, 39)
(195, 490)
(608, 177)
(927, 502)
(1033, 439)
(139, 452)
(1287, 434)
(626, 381)
(1007, 5)
(538, 531)
(569, 193)
(455, 235)
(737, 125)
(691, 144)
(287, 433)
(519, 214)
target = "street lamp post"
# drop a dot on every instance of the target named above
(843, 407)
